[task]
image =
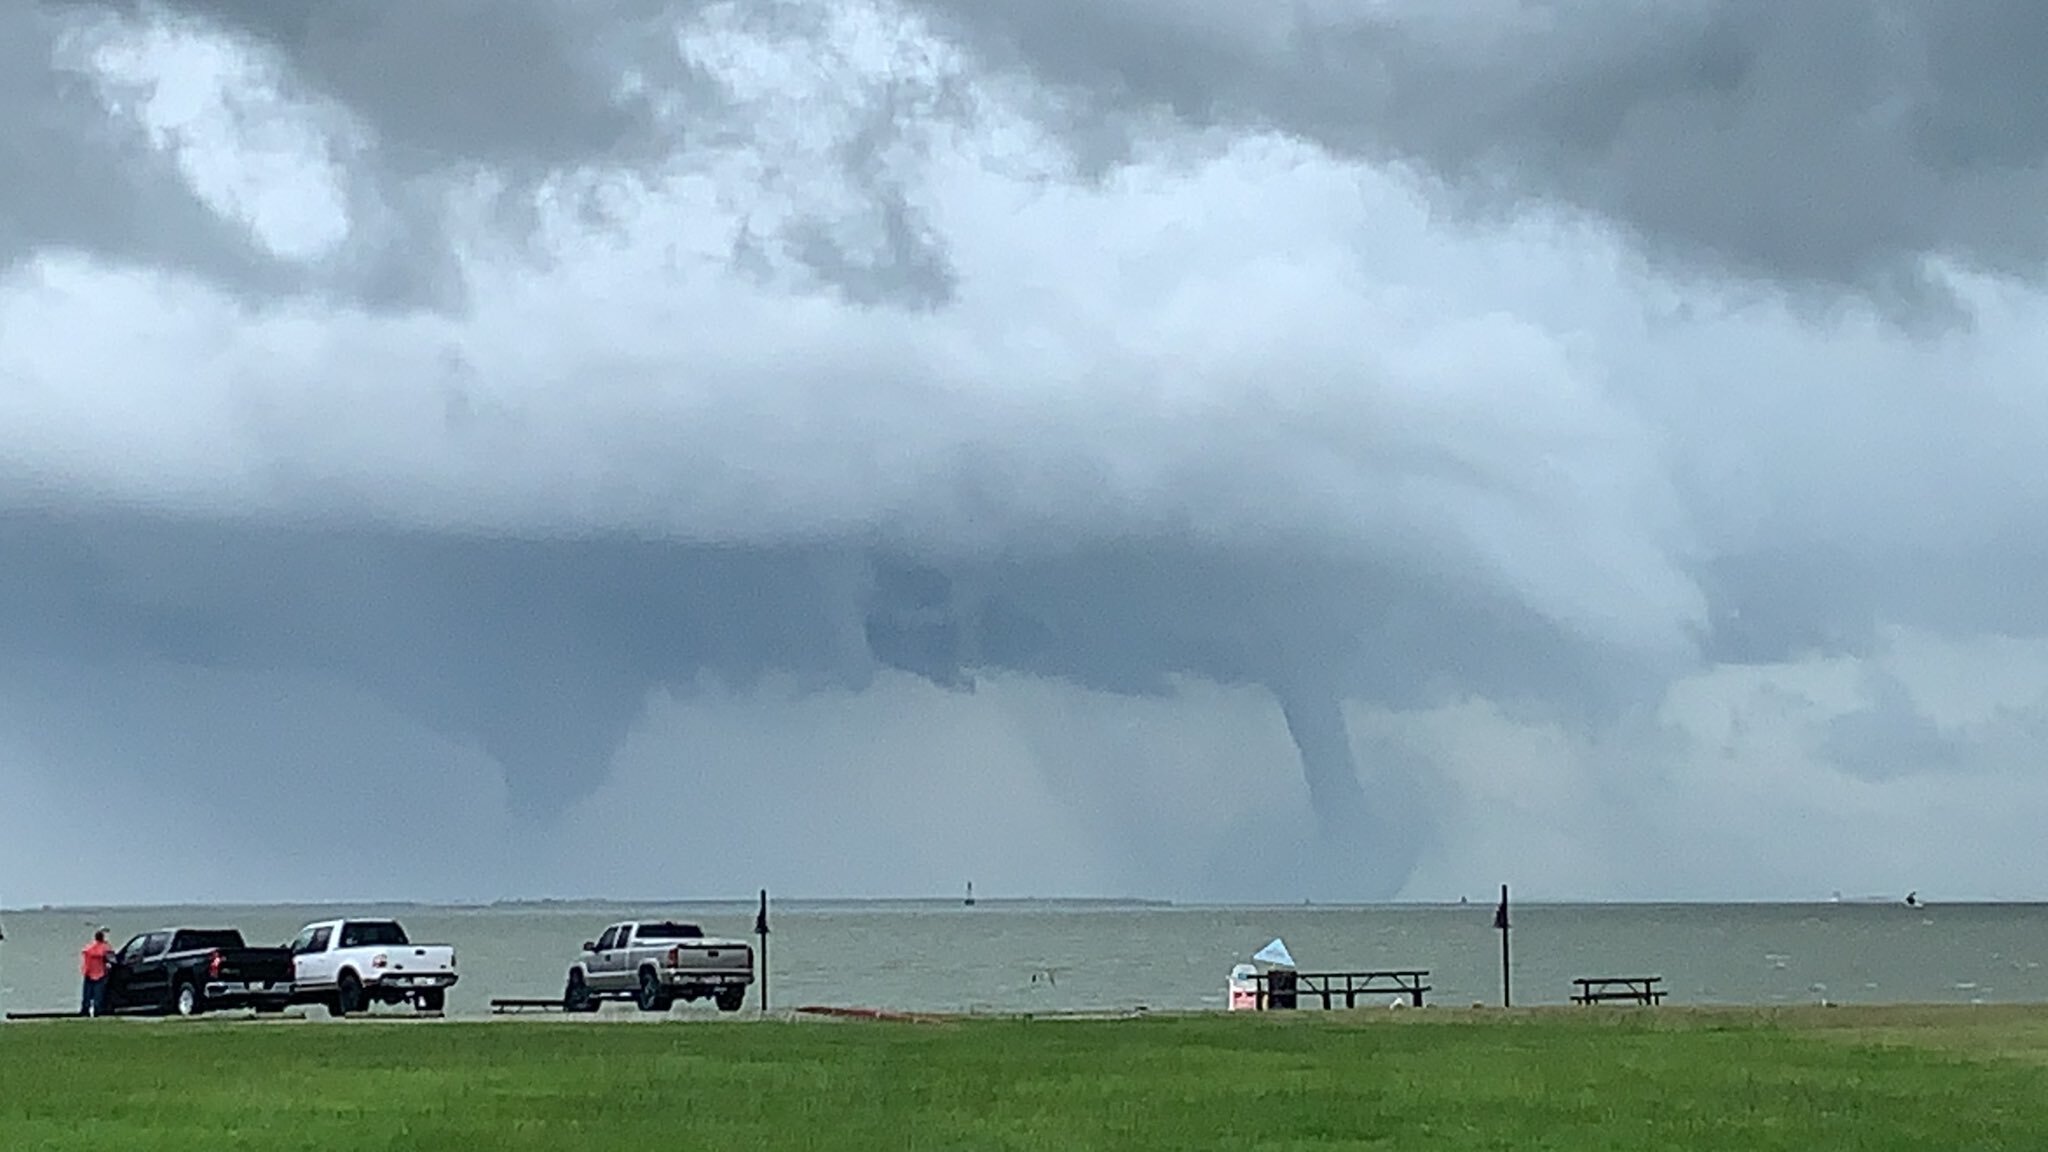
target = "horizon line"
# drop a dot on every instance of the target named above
(1134, 902)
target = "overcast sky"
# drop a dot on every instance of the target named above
(1174, 448)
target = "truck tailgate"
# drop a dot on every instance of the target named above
(711, 956)
(254, 966)
(419, 959)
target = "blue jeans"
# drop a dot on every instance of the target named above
(92, 1000)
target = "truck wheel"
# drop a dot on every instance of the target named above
(348, 995)
(651, 997)
(576, 997)
(431, 1000)
(730, 999)
(185, 1001)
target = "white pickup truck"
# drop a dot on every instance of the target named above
(349, 965)
(654, 963)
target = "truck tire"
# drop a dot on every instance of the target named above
(576, 995)
(652, 997)
(730, 999)
(431, 1000)
(348, 995)
(185, 999)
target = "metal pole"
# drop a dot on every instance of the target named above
(1500, 921)
(761, 930)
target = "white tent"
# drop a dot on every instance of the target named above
(1275, 955)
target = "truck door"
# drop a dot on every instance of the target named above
(312, 963)
(606, 965)
(121, 974)
(146, 978)
(623, 959)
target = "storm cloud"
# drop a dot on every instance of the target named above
(926, 406)
(1816, 146)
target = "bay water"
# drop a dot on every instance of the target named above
(1053, 956)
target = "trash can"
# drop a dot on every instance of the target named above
(1280, 988)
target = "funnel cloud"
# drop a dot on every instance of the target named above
(1341, 451)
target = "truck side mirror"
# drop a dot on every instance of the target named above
(589, 946)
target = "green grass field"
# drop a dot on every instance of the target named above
(1950, 1079)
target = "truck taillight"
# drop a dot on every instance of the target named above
(675, 957)
(213, 964)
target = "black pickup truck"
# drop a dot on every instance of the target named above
(187, 971)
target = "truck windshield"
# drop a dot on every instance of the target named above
(668, 930)
(372, 934)
(194, 939)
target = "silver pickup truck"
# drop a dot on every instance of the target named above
(654, 963)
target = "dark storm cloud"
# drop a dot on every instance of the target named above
(543, 652)
(524, 85)
(1821, 144)
(521, 93)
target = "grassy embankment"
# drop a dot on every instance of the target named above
(1953, 1079)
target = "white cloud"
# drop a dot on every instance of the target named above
(249, 153)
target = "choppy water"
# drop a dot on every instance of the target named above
(1058, 957)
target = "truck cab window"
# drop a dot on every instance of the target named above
(303, 944)
(668, 930)
(372, 934)
(193, 940)
(606, 942)
(321, 936)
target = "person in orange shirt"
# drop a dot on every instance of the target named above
(93, 960)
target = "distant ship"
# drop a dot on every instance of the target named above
(970, 893)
